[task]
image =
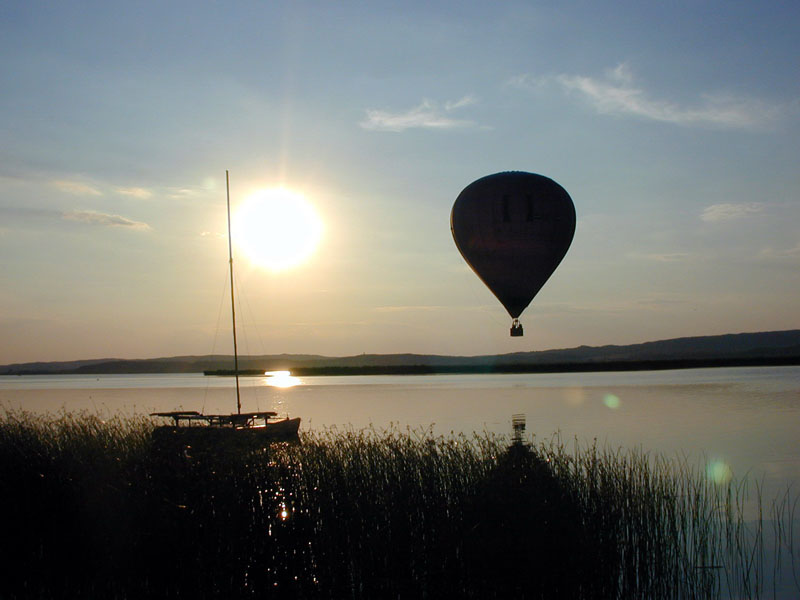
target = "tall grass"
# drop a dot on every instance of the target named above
(97, 509)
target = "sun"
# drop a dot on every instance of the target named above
(276, 229)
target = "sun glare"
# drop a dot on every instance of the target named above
(276, 229)
(280, 379)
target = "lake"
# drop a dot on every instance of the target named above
(740, 422)
(743, 419)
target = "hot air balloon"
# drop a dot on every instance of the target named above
(513, 229)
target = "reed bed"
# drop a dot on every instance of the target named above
(95, 508)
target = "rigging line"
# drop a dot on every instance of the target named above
(222, 294)
(249, 383)
(244, 319)
(251, 314)
(247, 314)
(244, 338)
(243, 297)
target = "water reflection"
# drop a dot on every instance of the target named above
(281, 379)
(574, 396)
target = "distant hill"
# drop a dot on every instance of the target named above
(764, 348)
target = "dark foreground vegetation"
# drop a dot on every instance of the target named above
(95, 509)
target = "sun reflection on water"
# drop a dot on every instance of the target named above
(574, 396)
(281, 379)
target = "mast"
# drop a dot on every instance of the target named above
(233, 309)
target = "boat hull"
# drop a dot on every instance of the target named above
(285, 430)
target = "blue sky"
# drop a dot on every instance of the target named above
(674, 128)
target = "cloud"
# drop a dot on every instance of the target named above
(717, 213)
(792, 253)
(617, 93)
(427, 115)
(529, 82)
(182, 193)
(467, 100)
(135, 192)
(76, 187)
(104, 220)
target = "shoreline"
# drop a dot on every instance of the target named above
(609, 366)
(464, 369)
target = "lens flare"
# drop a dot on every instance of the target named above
(611, 401)
(719, 472)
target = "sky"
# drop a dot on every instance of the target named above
(675, 128)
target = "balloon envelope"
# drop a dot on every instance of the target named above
(513, 229)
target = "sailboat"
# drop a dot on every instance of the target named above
(262, 424)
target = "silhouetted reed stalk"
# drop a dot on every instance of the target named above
(94, 509)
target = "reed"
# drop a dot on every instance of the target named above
(94, 509)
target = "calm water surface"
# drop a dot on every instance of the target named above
(747, 419)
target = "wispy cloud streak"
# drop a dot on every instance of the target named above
(792, 253)
(104, 220)
(76, 187)
(467, 100)
(526, 81)
(618, 94)
(427, 115)
(725, 211)
(135, 192)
